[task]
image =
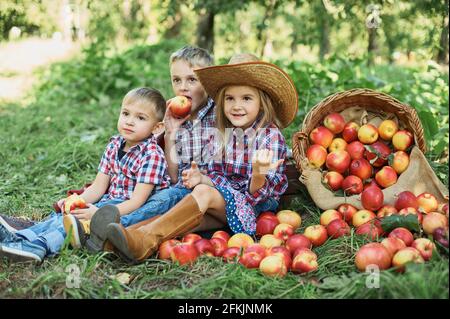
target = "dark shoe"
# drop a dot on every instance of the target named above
(14, 224)
(77, 230)
(102, 218)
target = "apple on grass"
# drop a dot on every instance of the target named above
(403, 234)
(425, 247)
(219, 246)
(273, 266)
(338, 228)
(373, 254)
(433, 221)
(166, 247)
(283, 252)
(405, 256)
(393, 244)
(221, 234)
(250, 260)
(204, 247)
(328, 216)
(190, 238)
(289, 217)
(304, 261)
(231, 254)
(362, 216)
(371, 230)
(256, 248)
(283, 231)
(317, 234)
(266, 225)
(269, 241)
(347, 211)
(184, 253)
(297, 241)
(240, 240)
(180, 106)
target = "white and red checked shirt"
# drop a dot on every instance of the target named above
(193, 140)
(234, 172)
(143, 163)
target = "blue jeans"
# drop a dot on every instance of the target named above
(51, 230)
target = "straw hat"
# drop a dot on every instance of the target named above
(246, 69)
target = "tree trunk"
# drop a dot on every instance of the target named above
(372, 47)
(205, 31)
(262, 34)
(324, 38)
(294, 43)
(175, 22)
(442, 56)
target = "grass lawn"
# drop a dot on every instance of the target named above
(53, 142)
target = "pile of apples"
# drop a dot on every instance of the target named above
(399, 247)
(356, 156)
(279, 248)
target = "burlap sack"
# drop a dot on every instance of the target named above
(417, 178)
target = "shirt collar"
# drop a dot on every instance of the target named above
(205, 109)
(141, 145)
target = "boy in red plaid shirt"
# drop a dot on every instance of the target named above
(254, 100)
(132, 171)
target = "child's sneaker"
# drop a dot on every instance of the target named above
(6, 234)
(78, 230)
(14, 224)
(20, 250)
(102, 218)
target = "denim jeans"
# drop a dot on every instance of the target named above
(51, 230)
(269, 205)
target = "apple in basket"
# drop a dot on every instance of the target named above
(180, 106)
(334, 122)
(350, 132)
(402, 140)
(387, 129)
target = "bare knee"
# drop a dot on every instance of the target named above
(203, 194)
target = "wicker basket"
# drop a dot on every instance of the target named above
(365, 98)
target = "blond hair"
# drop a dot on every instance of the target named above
(194, 56)
(149, 97)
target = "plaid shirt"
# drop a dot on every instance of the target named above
(143, 163)
(235, 170)
(193, 140)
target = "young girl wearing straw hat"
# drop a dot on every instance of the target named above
(254, 100)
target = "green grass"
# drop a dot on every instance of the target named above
(54, 142)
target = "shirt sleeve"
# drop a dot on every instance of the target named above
(107, 158)
(276, 181)
(153, 168)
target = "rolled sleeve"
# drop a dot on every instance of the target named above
(152, 169)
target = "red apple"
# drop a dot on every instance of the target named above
(338, 228)
(403, 234)
(221, 234)
(266, 225)
(283, 231)
(184, 253)
(256, 248)
(334, 122)
(356, 150)
(333, 180)
(371, 230)
(304, 261)
(370, 184)
(367, 134)
(361, 168)
(386, 177)
(440, 235)
(352, 185)
(328, 216)
(373, 254)
(387, 129)
(180, 106)
(240, 240)
(400, 161)
(347, 211)
(267, 214)
(406, 199)
(231, 254)
(386, 210)
(322, 136)
(377, 154)
(191, 238)
(166, 248)
(273, 266)
(402, 140)
(393, 244)
(427, 202)
(251, 260)
(219, 246)
(283, 252)
(289, 217)
(204, 247)
(362, 216)
(405, 256)
(350, 132)
(432, 221)
(316, 155)
(425, 247)
(297, 241)
(372, 198)
(317, 234)
(338, 161)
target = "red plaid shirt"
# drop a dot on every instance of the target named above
(235, 169)
(193, 140)
(143, 163)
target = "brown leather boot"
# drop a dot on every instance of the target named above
(137, 244)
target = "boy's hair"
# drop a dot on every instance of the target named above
(193, 55)
(148, 96)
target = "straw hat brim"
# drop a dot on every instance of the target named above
(262, 75)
